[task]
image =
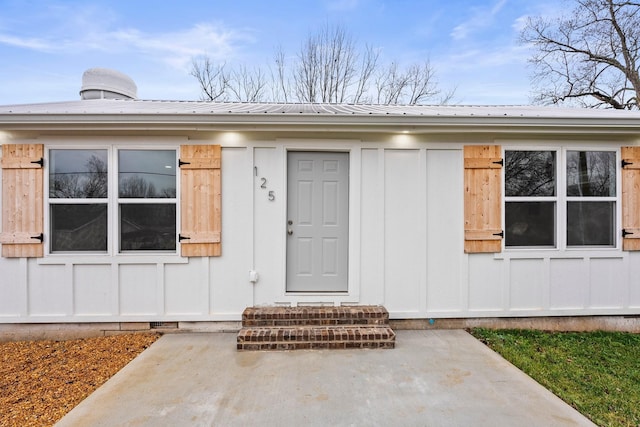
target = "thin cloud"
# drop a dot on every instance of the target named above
(174, 48)
(178, 48)
(549, 11)
(520, 23)
(481, 18)
(27, 43)
(487, 58)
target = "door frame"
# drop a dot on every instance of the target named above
(352, 296)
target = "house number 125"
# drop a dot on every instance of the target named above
(271, 195)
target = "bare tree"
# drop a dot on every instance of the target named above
(413, 85)
(390, 84)
(306, 74)
(421, 83)
(247, 85)
(212, 79)
(367, 68)
(589, 56)
(280, 87)
(328, 68)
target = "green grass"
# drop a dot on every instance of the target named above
(598, 373)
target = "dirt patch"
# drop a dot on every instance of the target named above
(40, 381)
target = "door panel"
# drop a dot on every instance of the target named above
(317, 221)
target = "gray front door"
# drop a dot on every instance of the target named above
(317, 221)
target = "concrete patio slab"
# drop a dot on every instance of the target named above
(431, 378)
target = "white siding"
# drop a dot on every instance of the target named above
(372, 199)
(445, 257)
(92, 290)
(138, 288)
(404, 231)
(186, 293)
(486, 286)
(633, 263)
(406, 252)
(50, 290)
(230, 289)
(568, 284)
(608, 284)
(13, 288)
(268, 224)
(527, 283)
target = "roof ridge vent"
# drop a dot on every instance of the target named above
(104, 83)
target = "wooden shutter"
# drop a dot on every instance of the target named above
(201, 209)
(22, 200)
(482, 198)
(631, 198)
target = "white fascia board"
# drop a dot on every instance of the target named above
(321, 123)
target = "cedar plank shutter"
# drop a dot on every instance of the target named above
(630, 198)
(482, 198)
(201, 210)
(22, 200)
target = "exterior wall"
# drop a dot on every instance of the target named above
(406, 252)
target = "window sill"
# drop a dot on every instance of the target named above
(112, 259)
(561, 253)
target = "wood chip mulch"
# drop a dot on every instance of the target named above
(40, 381)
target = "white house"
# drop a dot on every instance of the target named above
(125, 210)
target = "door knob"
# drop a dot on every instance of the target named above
(289, 232)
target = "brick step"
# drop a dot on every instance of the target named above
(315, 337)
(319, 316)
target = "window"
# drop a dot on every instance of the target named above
(530, 198)
(591, 198)
(549, 206)
(147, 199)
(78, 200)
(81, 200)
(105, 200)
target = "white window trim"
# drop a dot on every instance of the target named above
(48, 201)
(115, 235)
(561, 200)
(617, 199)
(112, 201)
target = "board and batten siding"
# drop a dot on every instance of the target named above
(407, 251)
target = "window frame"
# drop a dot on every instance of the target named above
(119, 201)
(112, 201)
(516, 199)
(561, 199)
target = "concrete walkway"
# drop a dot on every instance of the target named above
(431, 378)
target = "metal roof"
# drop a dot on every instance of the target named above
(136, 107)
(201, 115)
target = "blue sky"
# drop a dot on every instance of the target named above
(45, 46)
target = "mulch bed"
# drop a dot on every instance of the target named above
(40, 381)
